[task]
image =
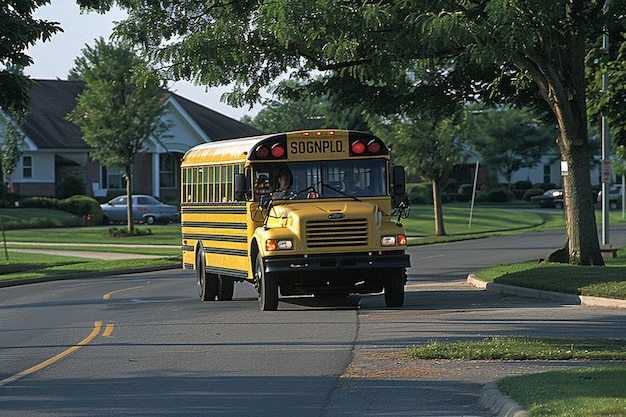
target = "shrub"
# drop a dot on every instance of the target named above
(69, 186)
(523, 185)
(420, 193)
(496, 195)
(531, 193)
(86, 208)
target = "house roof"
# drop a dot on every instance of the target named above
(51, 100)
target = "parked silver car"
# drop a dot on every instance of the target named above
(146, 209)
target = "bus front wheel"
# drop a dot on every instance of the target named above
(266, 286)
(394, 288)
(207, 283)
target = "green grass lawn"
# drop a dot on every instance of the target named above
(590, 391)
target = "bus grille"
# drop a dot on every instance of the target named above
(337, 233)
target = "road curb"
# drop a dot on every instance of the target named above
(499, 404)
(545, 295)
(62, 277)
(491, 397)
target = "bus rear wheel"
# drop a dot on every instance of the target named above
(225, 288)
(207, 283)
(394, 288)
(266, 286)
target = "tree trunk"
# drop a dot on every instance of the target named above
(565, 94)
(439, 229)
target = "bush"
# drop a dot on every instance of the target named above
(69, 186)
(82, 206)
(531, 193)
(523, 185)
(495, 195)
(420, 193)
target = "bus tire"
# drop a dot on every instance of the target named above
(207, 283)
(225, 288)
(266, 286)
(394, 288)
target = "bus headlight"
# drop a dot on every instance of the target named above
(272, 245)
(393, 240)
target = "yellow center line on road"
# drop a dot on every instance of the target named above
(108, 295)
(108, 330)
(96, 329)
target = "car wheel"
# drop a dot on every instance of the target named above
(266, 286)
(149, 220)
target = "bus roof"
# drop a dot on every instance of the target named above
(240, 150)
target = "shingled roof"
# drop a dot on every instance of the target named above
(51, 100)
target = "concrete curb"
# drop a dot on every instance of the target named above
(490, 396)
(500, 405)
(545, 295)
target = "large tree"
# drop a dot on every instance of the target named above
(119, 112)
(529, 52)
(18, 31)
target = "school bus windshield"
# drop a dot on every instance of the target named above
(326, 179)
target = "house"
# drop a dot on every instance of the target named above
(54, 149)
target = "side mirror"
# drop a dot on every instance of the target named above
(240, 187)
(399, 181)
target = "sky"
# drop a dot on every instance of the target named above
(55, 58)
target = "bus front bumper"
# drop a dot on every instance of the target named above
(337, 262)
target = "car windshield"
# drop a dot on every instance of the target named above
(328, 179)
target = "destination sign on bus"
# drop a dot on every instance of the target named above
(305, 148)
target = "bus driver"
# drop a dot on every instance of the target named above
(284, 185)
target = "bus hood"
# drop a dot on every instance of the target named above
(291, 215)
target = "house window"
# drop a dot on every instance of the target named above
(546, 174)
(113, 178)
(27, 167)
(168, 169)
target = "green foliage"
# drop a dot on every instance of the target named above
(11, 143)
(86, 208)
(299, 109)
(120, 111)
(421, 193)
(19, 30)
(531, 193)
(417, 60)
(494, 195)
(69, 186)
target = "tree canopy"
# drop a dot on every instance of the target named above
(421, 58)
(18, 31)
(119, 112)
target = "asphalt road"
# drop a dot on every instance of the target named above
(143, 345)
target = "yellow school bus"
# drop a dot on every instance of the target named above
(298, 213)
